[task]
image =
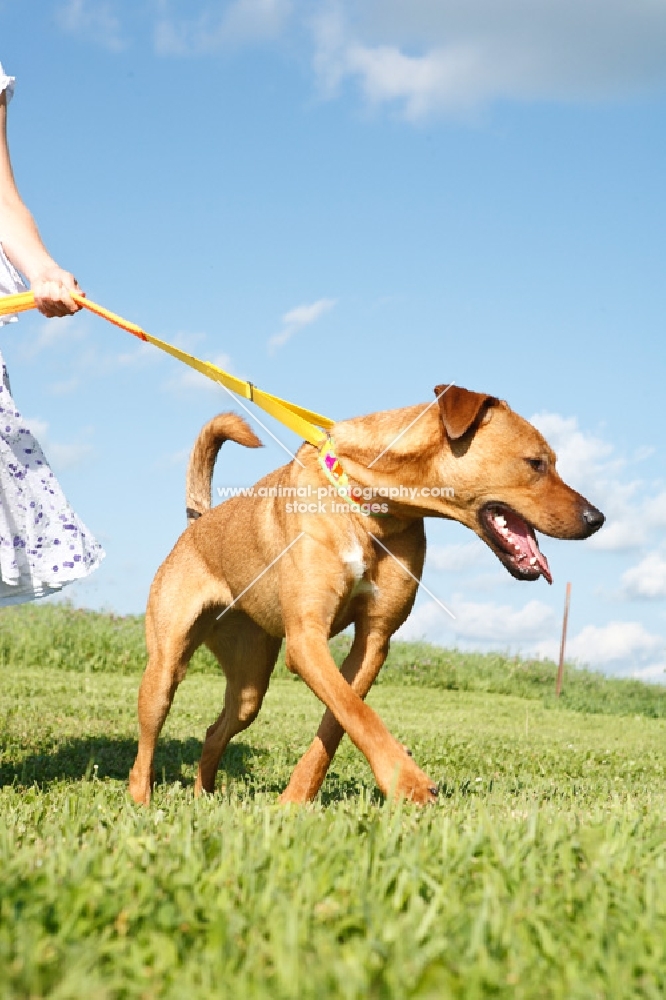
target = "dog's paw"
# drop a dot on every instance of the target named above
(413, 784)
(423, 796)
(140, 788)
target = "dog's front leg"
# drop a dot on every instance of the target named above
(399, 565)
(396, 773)
(360, 669)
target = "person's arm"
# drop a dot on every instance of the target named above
(22, 243)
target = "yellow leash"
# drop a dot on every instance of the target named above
(310, 426)
(307, 424)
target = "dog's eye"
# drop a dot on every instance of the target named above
(538, 464)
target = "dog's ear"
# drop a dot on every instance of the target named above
(460, 408)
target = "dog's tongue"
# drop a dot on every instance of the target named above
(521, 536)
(541, 560)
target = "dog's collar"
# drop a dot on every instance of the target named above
(330, 463)
(336, 475)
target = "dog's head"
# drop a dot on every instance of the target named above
(506, 483)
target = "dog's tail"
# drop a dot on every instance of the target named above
(224, 427)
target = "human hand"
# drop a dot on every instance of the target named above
(51, 288)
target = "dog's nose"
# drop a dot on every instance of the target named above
(593, 519)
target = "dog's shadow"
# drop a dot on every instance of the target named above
(102, 757)
(99, 757)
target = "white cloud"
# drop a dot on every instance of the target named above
(68, 456)
(93, 20)
(623, 648)
(242, 22)
(298, 318)
(620, 535)
(501, 623)
(70, 336)
(479, 622)
(179, 457)
(57, 332)
(655, 672)
(647, 579)
(655, 511)
(430, 56)
(145, 352)
(612, 642)
(619, 644)
(423, 57)
(580, 455)
(455, 558)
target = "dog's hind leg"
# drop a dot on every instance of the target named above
(164, 672)
(176, 624)
(247, 655)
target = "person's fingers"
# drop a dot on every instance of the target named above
(52, 296)
(69, 281)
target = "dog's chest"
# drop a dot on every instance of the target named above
(356, 570)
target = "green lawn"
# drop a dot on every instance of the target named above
(541, 872)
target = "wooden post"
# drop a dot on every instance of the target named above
(560, 669)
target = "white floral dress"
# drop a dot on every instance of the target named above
(43, 544)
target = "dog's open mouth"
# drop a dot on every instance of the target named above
(514, 542)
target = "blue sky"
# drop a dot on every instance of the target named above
(348, 204)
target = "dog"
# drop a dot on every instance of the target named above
(253, 571)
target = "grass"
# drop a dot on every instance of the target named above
(66, 638)
(541, 872)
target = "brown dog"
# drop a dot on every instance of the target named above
(255, 570)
